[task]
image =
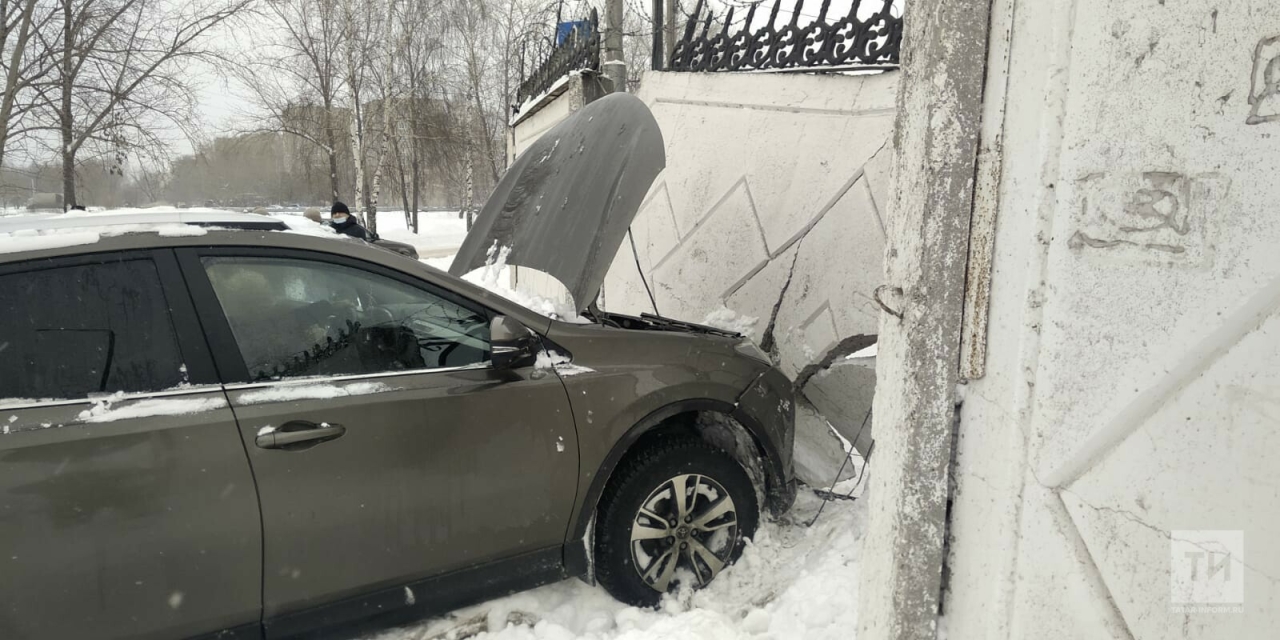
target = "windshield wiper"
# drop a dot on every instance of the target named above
(687, 326)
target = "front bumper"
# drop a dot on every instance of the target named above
(767, 409)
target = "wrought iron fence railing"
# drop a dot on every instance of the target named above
(577, 48)
(861, 37)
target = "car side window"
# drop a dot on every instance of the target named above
(68, 332)
(295, 318)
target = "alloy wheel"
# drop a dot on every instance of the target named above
(689, 522)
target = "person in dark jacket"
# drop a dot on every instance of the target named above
(344, 222)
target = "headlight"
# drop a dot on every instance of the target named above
(750, 350)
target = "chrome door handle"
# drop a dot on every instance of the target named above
(300, 432)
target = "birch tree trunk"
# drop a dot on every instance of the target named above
(413, 223)
(388, 109)
(353, 84)
(331, 140)
(404, 193)
(357, 150)
(468, 193)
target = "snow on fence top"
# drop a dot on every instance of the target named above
(577, 47)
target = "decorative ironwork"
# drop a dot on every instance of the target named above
(574, 50)
(848, 41)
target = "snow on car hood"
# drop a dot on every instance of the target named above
(565, 205)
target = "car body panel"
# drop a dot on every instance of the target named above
(138, 528)
(637, 378)
(565, 205)
(404, 249)
(437, 471)
(767, 408)
(402, 604)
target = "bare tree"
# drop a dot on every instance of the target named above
(24, 63)
(417, 22)
(296, 82)
(358, 34)
(387, 81)
(471, 27)
(122, 75)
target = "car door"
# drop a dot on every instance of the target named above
(386, 449)
(127, 505)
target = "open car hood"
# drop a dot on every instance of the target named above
(565, 205)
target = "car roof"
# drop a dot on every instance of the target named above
(84, 220)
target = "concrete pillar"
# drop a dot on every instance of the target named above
(936, 141)
(614, 66)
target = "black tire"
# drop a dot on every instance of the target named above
(636, 483)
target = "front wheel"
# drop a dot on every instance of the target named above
(679, 510)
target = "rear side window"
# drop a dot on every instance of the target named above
(73, 331)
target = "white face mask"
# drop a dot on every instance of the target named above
(340, 219)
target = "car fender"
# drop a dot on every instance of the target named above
(596, 477)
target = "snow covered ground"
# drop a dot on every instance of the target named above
(439, 232)
(793, 582)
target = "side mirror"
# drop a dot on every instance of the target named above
(513, 344)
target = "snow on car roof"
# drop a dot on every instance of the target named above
(78, 220)
(23, 233)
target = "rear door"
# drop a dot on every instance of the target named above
(385, 448)
(127, 505)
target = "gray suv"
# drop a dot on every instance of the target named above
(213, 426)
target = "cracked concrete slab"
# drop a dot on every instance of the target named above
(820, 459)
(757, 297)
(842, 391)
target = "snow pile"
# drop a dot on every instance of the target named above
(39, 239)
(561, 363)
(792, 583)
(496, 273)
(729, 320)
(305, 226)
(311, 392)
(105, 410)
(867, 352)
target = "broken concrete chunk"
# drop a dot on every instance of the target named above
(819, 453)
(842, 393)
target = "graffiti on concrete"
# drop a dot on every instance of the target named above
(1154, 214)
(1264, 84)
